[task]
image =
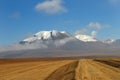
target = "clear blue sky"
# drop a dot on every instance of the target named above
(19, 18)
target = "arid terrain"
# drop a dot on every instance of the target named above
(60, 69)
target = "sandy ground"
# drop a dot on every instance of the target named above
(82, 69)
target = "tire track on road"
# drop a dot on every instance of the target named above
(66, 72)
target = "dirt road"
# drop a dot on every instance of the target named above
(93, 70)
(83, 69)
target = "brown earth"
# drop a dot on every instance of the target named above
(60, 69)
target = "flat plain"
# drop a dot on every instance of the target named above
(60, 69)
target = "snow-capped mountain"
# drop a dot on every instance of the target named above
(60, 43)
(47, 35)
(56, 35)
(109, 41)
(85, 38)
(64, 40)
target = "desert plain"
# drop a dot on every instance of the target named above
(60, 69)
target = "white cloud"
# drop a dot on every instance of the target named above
(36, 45)
(51, 6)
(17, 47)
(91, 29)
(98, 25)
(93, 33)
(15, 15)
(95, 25)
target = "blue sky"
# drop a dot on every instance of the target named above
(21, 18)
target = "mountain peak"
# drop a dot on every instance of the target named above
(109, 41)
(85, 38)
(47, 35)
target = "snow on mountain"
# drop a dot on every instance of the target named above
(85, 38)
(47, 35)
(61, 39)
(109, 41)
(60, 36)
(56, 35)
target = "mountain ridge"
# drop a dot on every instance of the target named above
(55, 43)
(58, 35)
